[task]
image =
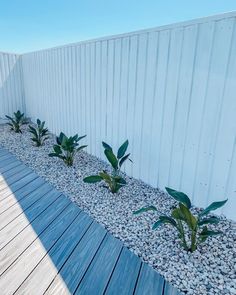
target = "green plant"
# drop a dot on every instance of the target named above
(192, 229)
(39, 133)
(113, 180)
(16, 121)
(67, 147)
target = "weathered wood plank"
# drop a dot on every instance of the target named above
(57, 256)
(9, 164)
(170, 290)
(149, 282)
(20, 194)
(124, 277)
(5, 157)
(21, 206)
(8, 176)
(41, 232)
(20, 183)
(25, 263)
(25, 238)
(3, 151)
(73, 270)
(98, 274)
(33, 214)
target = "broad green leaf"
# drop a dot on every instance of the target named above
(208, 233)
(92, 179)
(57, 149)
(177, 214)
(212, 207)
(111, 158)
(52, 155)
(121, 181)
(210, 220)
(106, 146)
(179, 196)
(189, 218)
(105, 176)
(81, 137)
(157, 224)
(122, 149)
(59, 138)
(124, 159)
(167, 219)
(82, 147)
(145, 209)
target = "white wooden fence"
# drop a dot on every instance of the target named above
(170, 90)
(11, 86)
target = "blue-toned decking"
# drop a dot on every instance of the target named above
(49, 246)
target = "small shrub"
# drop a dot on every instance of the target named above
(67, 147)
(39, 133)
(113, 180)
(192, 230)
(16, 121)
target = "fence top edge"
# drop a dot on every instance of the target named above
(176, 25)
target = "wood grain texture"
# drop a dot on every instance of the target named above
(99, 272)
(23, 265)
(20, 208)
(149, 282)
(21, 193)
(56, 257)
(125, 275)
(49, 246)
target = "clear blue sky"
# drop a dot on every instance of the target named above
(27, 25)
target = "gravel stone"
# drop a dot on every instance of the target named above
(211, 269)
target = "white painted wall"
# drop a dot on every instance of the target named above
(11, 86)
(170, 90)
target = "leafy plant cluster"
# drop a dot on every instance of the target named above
(113, 179)
(67, 147)
(39, 133)
(192, 229)
(16, 121)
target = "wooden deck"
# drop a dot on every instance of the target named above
(49, 246)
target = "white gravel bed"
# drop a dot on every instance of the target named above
(211, 269)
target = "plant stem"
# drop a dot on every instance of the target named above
(181, 230)
(193, 241)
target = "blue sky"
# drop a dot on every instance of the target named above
(28, 25)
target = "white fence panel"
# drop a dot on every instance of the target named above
(169, 90)
(11, 86)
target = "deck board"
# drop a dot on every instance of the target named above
(49, 246)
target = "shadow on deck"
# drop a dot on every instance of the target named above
(49, 246)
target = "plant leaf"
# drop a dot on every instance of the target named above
(213, 206)
(210, 220)
(81, 137)
(179, 196)
(81, 147)
(189, 218)
(177, 214)
(124, 159)
(157, 224)
(167, 219)
(106, 146)
(208, 233)
(105, 176)
(92, 179)
(145, 209)
(122, 149)
(111, 158)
